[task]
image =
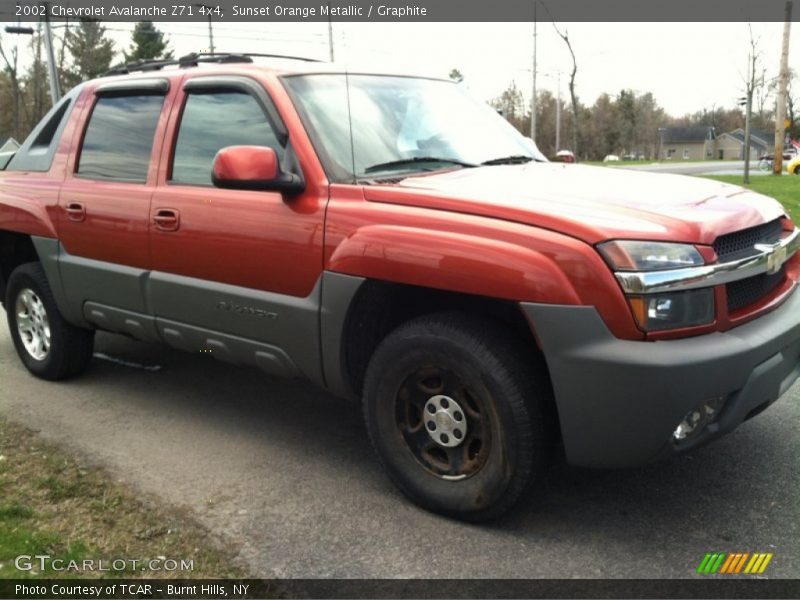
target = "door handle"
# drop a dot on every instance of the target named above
(76, 212)
(167, 219)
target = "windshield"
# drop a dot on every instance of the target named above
(401, 125)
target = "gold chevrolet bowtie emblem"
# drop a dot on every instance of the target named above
(776, 256)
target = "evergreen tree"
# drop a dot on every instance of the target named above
(148, 43)
(91, 52)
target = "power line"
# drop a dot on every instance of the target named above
(237, 30)
(231, 37)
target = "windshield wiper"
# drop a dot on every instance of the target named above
(414, 160)
(516, 159)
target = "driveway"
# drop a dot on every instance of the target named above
(286, 472)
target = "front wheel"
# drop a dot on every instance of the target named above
(48, 346)
(459, 413)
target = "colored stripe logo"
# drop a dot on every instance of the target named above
(734, 563)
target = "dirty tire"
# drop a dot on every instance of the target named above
(70, 347)
(483, 371)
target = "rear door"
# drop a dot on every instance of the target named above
(105, 201)
(235, 272)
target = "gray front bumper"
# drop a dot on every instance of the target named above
(619, 401)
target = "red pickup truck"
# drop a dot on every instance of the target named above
(390, 239)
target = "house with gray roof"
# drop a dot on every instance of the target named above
(687, 143)
(731, 145)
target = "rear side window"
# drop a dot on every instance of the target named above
(37, 153)
(214, 121)
(119, 138)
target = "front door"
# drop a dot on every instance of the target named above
(235, 273)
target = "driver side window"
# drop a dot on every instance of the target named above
(212, 121)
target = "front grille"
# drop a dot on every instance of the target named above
(740, 244)
(748, 291)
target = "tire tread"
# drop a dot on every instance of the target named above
(77, 345)
(517, 368)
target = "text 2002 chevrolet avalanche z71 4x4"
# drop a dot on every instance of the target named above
(388, 238)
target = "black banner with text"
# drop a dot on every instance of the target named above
(398, 10)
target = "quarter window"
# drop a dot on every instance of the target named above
(214, 121)
(119, 138)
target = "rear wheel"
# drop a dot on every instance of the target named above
(458, 414)
(48, 346)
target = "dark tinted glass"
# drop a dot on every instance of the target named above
(211, 122)
(119, 139)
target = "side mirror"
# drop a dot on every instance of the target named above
(253, 168)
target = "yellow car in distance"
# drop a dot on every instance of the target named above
(793, 168)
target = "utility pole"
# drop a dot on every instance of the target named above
(330, 31)
(533, 95)
(55, 90)
(748, 101)
(783, 80)
(210, 35)
(207, 10)
(747, 116)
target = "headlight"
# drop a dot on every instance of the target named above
(633, 255)
(663, 311)
(675, 310)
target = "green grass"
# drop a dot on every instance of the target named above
(785, 189)
(55, 504)
(15, 511)
(19, 536)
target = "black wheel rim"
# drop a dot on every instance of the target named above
(468, 441)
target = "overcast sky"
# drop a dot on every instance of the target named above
(687, 66)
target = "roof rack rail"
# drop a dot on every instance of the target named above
(282, 56)
(193, 59)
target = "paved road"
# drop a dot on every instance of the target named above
(285, 471)
(711, 167)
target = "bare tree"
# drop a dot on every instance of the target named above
(575, 112)
(750, 86)
(511, 104)
(63, 75)
(11, 60)
(761, 96)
